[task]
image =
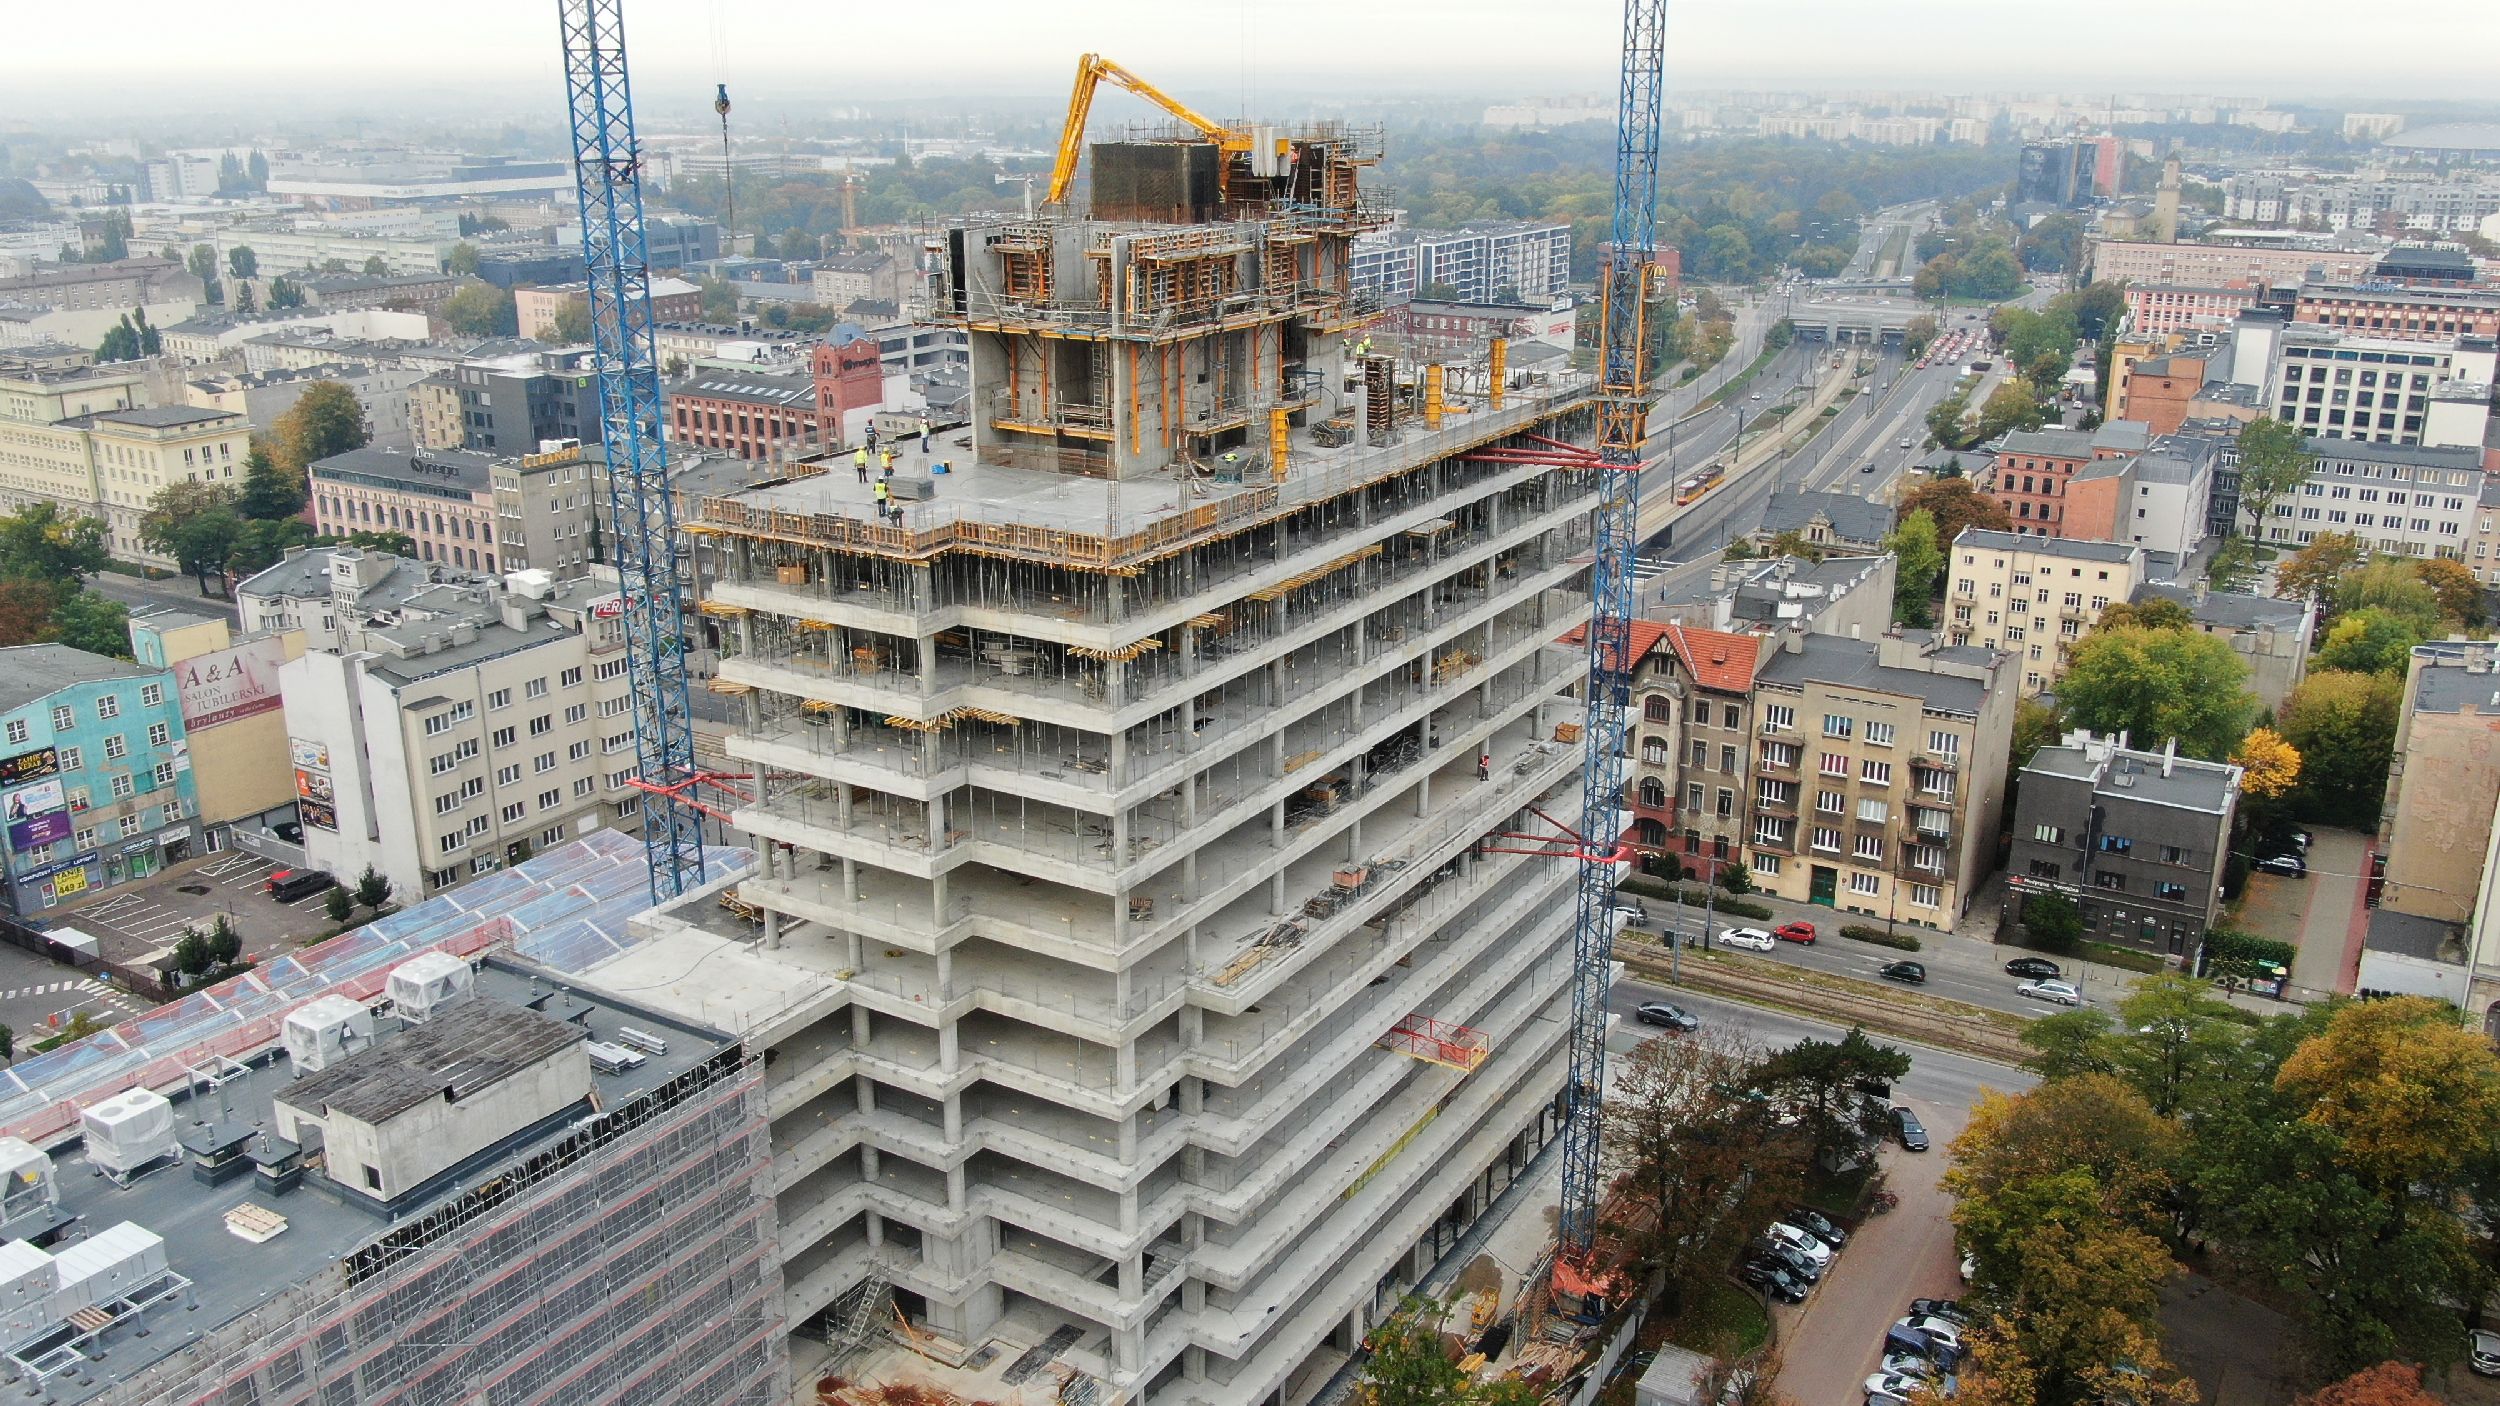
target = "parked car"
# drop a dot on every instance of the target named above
(1816, 1224)
(1908, 1364)
(1815, 1251)
(1913, 1343)
(288, 885)
(1887, 1390)
(1750, 939)
(1802, 933)
(1674, 1018)
(1938, 1328)
(1773, 1278)
(2483, 1352)
(1911, 973)
(2061, 992)
(1629, 913)
(1794, 1261)
(2034, 969)
(2291, 864)
(1912, 1132)
(1942, 1308)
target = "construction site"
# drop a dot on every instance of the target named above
(1147, 995)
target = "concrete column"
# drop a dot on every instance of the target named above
(864, 1089)
(954, 1115)
(949, 1053)
(1128, 1138)
(1132, 1276)
(1189, 884)
(945, 978)
(1119, 758)
(1129, 1349)
(868, 1161)
(1125, 1063)
(955, 1190)
(874, 1223)
(1423, 794)
(1276, 894)
(1128, 1212)
(940, 900)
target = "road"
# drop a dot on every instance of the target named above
(180, 592)
(1936, 1076)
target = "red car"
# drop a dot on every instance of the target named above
(1795, 932)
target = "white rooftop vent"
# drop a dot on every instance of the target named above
(428, 984)
(535, 583)
(26, 1187)
(321, 1032)
(28, 1280)
(128, 1131)
(114, 1263)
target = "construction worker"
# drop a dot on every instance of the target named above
(885, 460)
(859, 461)
(927, 445)
(1484, 766)
(872, 434)
(885, 495)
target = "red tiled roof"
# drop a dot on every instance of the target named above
(1645, 637)
(1718, 660)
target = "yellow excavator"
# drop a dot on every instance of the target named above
(1091, 71)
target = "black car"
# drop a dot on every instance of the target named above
(1675, 1018)
(1913, 1133)
(2034, 969)
(1816, 1224)
(2291, 864)
(1771, 1277)
(1913, 973)
(1950, 1310)
(1794, 1261)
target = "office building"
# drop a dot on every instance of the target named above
(2155, 499)
(2223, 265)
(95, 775)
(2033, 596)
(2389, 390)
(2137, 840)
(2055, 173)
(2397, 498)
(527, 400)
(479, 512)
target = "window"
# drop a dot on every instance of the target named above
(2114, 882)
(85, 839)
(122, 788)
(535, 688)
(1779, 754)
(500, 698)
(576, 713)
(1772, 830)
(1865, 885)
(570, 678)
(478, 825)
(108, 707)
(584, 787)
(543, 762)
(78, 800)
(1925, 895)
(503, 737)
(2045, 869)
(442, 722)
(1878, 734)
(514, 812)
(1835, 764)
(1870, 847)
(437, 765)
(1653, 793)
(1831, 803)
(549, 800)
(507, 775)
(1654, 752)
(150, 695)
(2170, 891)
(72, 759)
(543, 724)
(18, 731)
(577, 752)
(164, 773)
(1945, 744)
(2049, 834)
(610, 707)
(1777, 717)
(1827, 838)
(1726, 802)
(63, 719)
(2117, 844)
(1767, 864)
(1874, 812)
(1836, 725)
(609, 669)
(1774, 793)
(1657, 710)
(553, 835)
(115, 748)
(446, 803)
(1927, 857)
(1731, 716)
(1876, 773)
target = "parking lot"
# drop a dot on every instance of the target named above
(141, 919)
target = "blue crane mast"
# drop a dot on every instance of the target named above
(642, 527)
(1622, 420)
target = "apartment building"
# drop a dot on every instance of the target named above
(2430, 314)
(2029, 470)
(2030, 596)
(2137, 839)
(1877, 784)
(2386, 390)
(2156, 500)
(139, 451)
(88, 441)
(1479, 264)
(261, 397)
(103, 287)
(1692, 748)
(2160, 392)
(2402, 499)
(2270, 636)
(2160, 309)
(461, 729)
(95, 775)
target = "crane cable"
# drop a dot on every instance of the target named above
(720, 105)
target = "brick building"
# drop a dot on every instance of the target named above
(752, 414)
(2032, 467)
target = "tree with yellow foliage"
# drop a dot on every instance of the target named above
(2269, 766)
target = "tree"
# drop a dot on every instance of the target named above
(26, 611)
(37, 543)
(374, 267)
(1406, 1365)
(2459, 595)
(481, 310)
(269, 492)
(125, 340)
(2387, 1384)
(2053, 920)
(2269, 765)
(573, 320)
(1918, 560)
(373, 888)
(1956, 505)
(720, 299)
(1918, 334)
(8, 1043)
(339, 904)
(2069, 1043)
(225, 945)
(242, 262)
(2412, 1096)
(245, 302)
(1685, 1136)
(95, 623)
(2096, 1123)
(191, 953)
(2372, 640)
(2014, 405)
(462, 262)
(1820, 1078)
(203, 263)
(263, 543)
(2344, 727)
(2157, 686)
(194, 523)
(1945, 420)
(2152, 613)
(2173, 1041)
(797, 244)
(2051, 245)
(326, 419)
(2272, 464)
(2234, 567)
(2313, 572)
(285, 293)
(2036, 725)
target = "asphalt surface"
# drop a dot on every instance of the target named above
(180, 592)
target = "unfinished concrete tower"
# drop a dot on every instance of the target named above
(1150, 1008)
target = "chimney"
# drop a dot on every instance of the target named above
(2204, 586)
(2169, 755)
(1792, 641)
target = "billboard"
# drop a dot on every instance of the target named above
(227, 684)
(26, 766)
(38, 831)
(36, 799)
(308, 754)
(316, 801)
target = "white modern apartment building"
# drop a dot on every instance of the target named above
(443, 726)
(1491, 263)
(2333, 384)
(2032, 596)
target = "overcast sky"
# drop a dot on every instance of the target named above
(233, 55)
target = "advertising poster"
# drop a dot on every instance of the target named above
(320, 815)
(35, 832)
(27, 766)
(35, 800)
(313, 785)
(230, 683)
(312, 755)
(69, 881)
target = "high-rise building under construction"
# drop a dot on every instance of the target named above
(1146, 996)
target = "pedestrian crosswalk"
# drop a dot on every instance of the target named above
(46, 989)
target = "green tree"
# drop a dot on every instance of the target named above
(98, 624)
(245, 301)
(191, 953)
(2234, 567)
(573, 320)
(38, 543)
(375, 268)
(242, 262)
(1918, 560)
(8, 1043)
(2316, 570)
(1819, 1079)
(339, 904)
(2013, 405)
(269, 492)
(122, 342)
(1405, 1365)
(2051, 245)
(204, 268)
(2053, 920)
(2151, 613)
(326, 419)
(263, 542)
(1956, 505)
(2396, 586)
(2272, 464)
(797, 244)
(720, 299)
(2069, 1043)
(2459, 595)
(481, 310)
(1918, 335)
(2344, 727)
(285, 293)
(2159, 685)
(196, 524)
(462, 262)
(225, 945)
(2372, 640)
(1945, 420)
(373, 888)
(1700, 1152)
(2172, 1032)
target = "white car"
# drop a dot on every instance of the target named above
(2060, 992)
(1892, 1386)
(1816, 1252)
(1750, 939)
(1937, 1328)
(1908, 1365)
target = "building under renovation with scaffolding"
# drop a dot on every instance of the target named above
(1146, 992)
(414, 1165)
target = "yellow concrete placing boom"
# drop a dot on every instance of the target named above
(1091, 70)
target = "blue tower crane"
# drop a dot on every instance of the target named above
(642, 527)
(1622, 421)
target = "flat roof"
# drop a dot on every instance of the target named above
(1987, 539)
(2228, 608)
(2411, 935)
(2189, 784)
(1845, 663)
(459, 1052)
(32, 671)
